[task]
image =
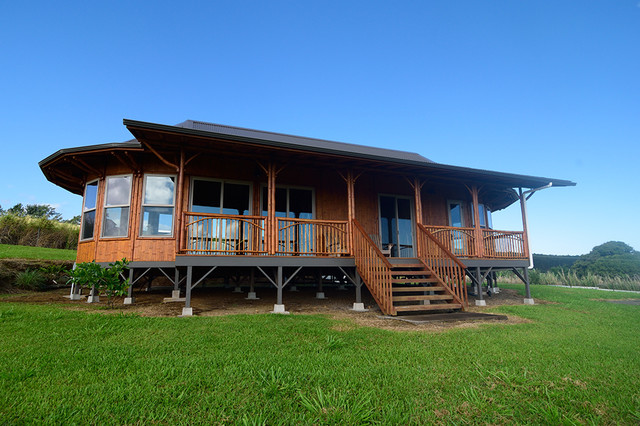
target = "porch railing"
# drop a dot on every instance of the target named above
(221, 234)
(374, 269)
(495, 244)
(503, 244)
(459, 241)
(442, 263)
(312, 237)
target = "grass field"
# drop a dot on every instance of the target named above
(574, 361)
(26, 252)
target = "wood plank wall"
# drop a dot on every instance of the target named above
(330, 200)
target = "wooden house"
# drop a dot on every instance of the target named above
(197, 200)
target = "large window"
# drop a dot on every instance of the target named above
(456, 217)
(157, 206)
(116, 206)
(290, 202)
(89, 210)
(213, 196)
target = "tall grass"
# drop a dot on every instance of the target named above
(570, 278)
(37, 232)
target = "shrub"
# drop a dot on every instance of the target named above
(31, 279)
(109, 280)
(37, 232)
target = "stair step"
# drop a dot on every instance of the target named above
(423, 272)
(417, 288)
(414, 280)
(407, 265)
(422, 297)
(435, 307)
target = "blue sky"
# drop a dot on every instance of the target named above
(546, 88)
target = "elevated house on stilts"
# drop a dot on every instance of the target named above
(199, 200)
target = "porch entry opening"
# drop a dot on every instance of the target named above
(295, 236)
(234, 233)
(396, 225)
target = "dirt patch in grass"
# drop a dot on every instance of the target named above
(218, 301)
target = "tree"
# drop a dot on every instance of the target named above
(17, 210)
(613, 258)
(74, 220)
(43, 211)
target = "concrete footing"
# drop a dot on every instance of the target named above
(279, 309)
(342, 287)
(320, 295)
(495, 290)
(252, 296)
(293, 288)
(93, 299)
(129, 300)
(187, 312)
(76, 296)
(237, 289)
(175, 294)
(359, 307)
(481, 302)
(529, 302)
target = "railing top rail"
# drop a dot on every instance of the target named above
(321, 221)
(220, 215)
(442, 247)
(370, 241)
(454, 228)
(495, 231)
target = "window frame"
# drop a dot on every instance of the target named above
(222, 182)
(462, 218)
(94, 209)
(105, 206)
(143, 205)
(288, 187)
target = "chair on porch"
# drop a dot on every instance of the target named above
(384, 248)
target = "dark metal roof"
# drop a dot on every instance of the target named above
(320, 145)
(426, 166)
(88, 148)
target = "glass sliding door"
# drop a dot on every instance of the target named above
(396, 225)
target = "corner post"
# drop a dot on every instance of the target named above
(528, 300)
(178, 203)
(479, 246)
(278, 308)
(525, 225)
(187, 311)
(358, 306)
(175, 294)
(129, 300)
(351, 206)
(479, 301)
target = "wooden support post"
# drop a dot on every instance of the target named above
(525, 225)
(417, 199)
(271, 209)
(479, 246)
(178, 206)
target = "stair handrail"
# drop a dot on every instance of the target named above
(374, 268)
(441, 272)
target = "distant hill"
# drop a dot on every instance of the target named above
(544, 262)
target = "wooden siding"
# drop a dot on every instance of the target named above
(86, 251)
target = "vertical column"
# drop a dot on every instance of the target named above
(187, 311)
(479, 246)
(358, 306)
(178, 204)
(278, 308)
(320, 293)
(528, 300)
(351, 206)
(417, 195)
(525, 225)
(272, 234)
(129, 299)
(175, 294)
(479, 301)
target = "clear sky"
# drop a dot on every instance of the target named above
(545, 88)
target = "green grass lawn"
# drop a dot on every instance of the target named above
(25, 252)
(575, 361)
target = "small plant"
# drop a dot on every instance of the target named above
(31, 279)
(55, 275)
(109, 280)
(339, 407)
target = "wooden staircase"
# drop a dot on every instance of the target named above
(414, 289)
